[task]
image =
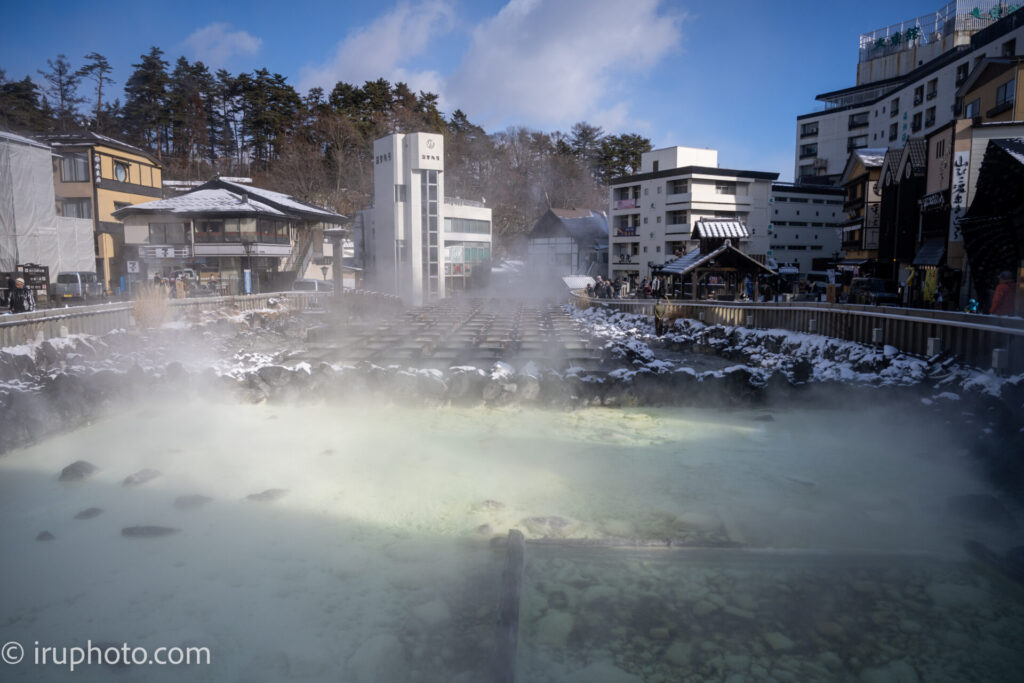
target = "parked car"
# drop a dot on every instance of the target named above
(873, 291)
(78, 284)
(185, 274)
(311, 285)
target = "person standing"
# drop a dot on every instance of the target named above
(660, 311)
(22, 300)
(1002, 300)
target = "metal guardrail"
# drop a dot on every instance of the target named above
(972, 338)
(24, 328)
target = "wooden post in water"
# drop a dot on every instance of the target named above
(506, 630)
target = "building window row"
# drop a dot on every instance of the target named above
(859, 120)
(809, 129)
(79, 207)
(470, 225)
(810, 150)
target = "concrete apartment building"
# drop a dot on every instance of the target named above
(652, 213)
(421, 245)
(908, 75)
(805, 225)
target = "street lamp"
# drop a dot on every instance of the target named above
(250, 247)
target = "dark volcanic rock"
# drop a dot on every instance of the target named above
(89, 513)
(45, 536)
(141, 477)
(148, 531)
(77, 471)
(267, 496)
(191, 502)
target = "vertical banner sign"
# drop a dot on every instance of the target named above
(958, 194)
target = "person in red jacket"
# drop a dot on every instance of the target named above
(1002, 301)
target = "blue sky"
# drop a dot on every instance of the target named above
(726, 75)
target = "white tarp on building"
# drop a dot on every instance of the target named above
(30, 230)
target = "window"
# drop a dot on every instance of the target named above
(1005, 92)
(76, 208)
(725, 188)
(121, 171)
(940, 149)
(915, 125)
(859, 120)
(209, 231)
(659, 189)
(676, 218)
(1009, 48)
(657, 219)
(894, 131)
(645, 220)
(918, 95)
(401, 193)
(167, 233)
(658, 249)
(972, 109)
(806, 170)
(856, 142)
(655, 166)
(894, 107)
(74, 167)
(809, 129)
(467, 225)
(809, 150)
(678, 187)
(961, 73)
(933, 89)
(929, 117)
(647, 191)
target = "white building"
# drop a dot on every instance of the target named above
(653, 212)
(804, 227)
(421, 245)
(906, 88)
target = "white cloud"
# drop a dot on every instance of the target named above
(550, 63)
(216, 44)
(386, 48)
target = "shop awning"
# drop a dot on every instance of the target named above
(931, 252)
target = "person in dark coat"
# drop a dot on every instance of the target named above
(21, 300)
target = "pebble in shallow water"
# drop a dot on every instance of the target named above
(191, 502)
(267, 496)
(141, 477)
(89, 513)
(148, 531)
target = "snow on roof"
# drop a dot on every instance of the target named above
(1012, 146)
(203, 201)
(704, 229)
(871, 157)
(282, 200)
(21, 140)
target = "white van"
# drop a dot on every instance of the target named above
(78, 284)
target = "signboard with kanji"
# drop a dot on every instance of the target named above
(958, 194)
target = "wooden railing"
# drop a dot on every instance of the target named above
(980, 340)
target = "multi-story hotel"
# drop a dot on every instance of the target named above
(805, 225)
(653, 212)
(907, 80)
(94, 176)
(421, 245)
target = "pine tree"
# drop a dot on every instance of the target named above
(97, 68)
(63, 93)
(145, 108)
(21, 106)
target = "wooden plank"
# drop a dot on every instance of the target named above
(506, 630)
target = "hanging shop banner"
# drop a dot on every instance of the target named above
(958, 194)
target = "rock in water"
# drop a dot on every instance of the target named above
(89, 513)
(600, 672)
(381, 658)
(141, 477)
(77, 471)
(191, 502)
(148, 531)
(45, 536)
(552, 526)
(267, 496)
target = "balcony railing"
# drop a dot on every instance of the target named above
(932, 95)
(918, 99)
(626, 203)
(626, 232)
(1000, 108)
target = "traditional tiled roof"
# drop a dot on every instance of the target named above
(704, 229)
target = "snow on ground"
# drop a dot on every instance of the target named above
(767, 351)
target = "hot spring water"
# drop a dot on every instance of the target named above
(820, 549)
